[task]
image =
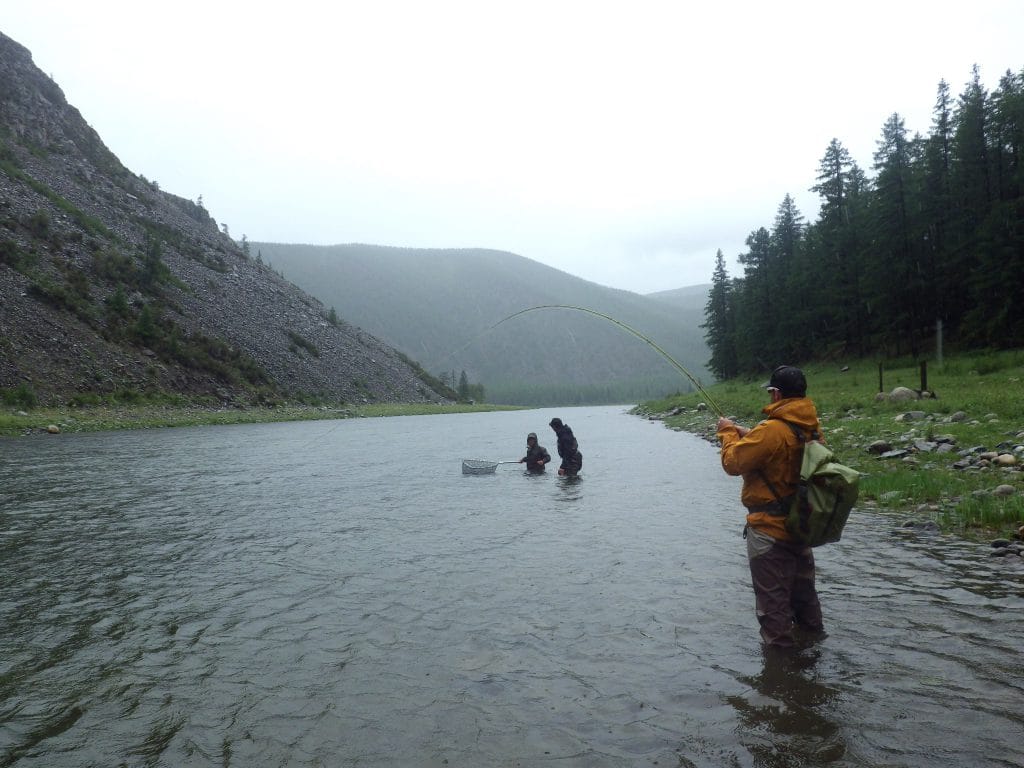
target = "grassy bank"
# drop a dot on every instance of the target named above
(93, 418)
(987, 388)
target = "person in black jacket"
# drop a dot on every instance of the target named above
(536, 455)
(568, 449)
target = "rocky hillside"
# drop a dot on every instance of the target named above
(110, 286)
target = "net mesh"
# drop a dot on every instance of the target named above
(478, 467)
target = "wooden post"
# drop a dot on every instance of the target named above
(880, 387)
(924, 375)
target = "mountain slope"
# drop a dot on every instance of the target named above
(441, 306)
(109, 285)
(689, 302)
(691, 295)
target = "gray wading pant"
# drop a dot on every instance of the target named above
(783, 578)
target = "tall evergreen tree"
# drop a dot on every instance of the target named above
(785, 283)
(997, 314)
(971, 153)
(786, 233)
(936, 202)
(837, 299)
(969, 180)
(756, 333)
(833, 179)
(861, 321)
(899, 277)
(719, 331)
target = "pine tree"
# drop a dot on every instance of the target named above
(145, 327)
(969, 181)
(833, 180)
(756, 332)
(153, 268)
(900, 278)
(997, 314)
(718, 323)
(117, 303)
(936, 202)
(837, 267)
(789, 226)
(857, 245)
(786, 235)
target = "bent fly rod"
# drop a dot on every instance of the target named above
(675, 363)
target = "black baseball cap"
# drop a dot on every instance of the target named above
(789, 380)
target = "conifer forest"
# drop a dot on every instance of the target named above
(927, 244)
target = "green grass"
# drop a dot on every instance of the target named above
(22, 395)
(429, 409)
(94, 413)
(987, 386)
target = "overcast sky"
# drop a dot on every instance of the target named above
(620, 142)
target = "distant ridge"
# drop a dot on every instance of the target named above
(686, 296)
(439, 305)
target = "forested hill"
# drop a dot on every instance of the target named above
(926, 247)
(112, 288)
(440, 307)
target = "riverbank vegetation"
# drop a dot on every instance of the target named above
(151, 413)
(934, 467)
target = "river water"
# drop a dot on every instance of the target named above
(337, 593)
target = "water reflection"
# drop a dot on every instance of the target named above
(789, 713)
(569, 488)
(188, 595)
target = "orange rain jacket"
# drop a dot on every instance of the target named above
(771, 448)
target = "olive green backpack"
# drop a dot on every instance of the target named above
(825, 495)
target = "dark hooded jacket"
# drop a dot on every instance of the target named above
(568, 449)
(535, 453)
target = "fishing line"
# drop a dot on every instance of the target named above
(675, 363)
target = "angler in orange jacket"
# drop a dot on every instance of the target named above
(768, 457)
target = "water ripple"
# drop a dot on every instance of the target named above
(244, 596)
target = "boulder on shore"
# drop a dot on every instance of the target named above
(903, 394)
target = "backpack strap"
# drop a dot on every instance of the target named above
(797, 431)
(779, 508)
(799, 434)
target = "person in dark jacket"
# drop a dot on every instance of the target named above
(536, 455)
(568, 449)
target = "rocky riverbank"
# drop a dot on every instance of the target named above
(957, 473)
